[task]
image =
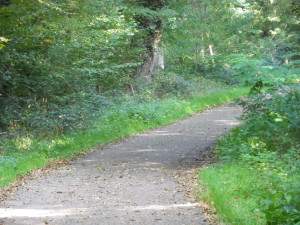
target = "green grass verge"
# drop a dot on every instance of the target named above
(23, 154)
(229, 187)
(261, 183)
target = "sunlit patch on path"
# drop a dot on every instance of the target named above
(36, 213)
(161, 207)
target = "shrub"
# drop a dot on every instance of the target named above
(268, 142)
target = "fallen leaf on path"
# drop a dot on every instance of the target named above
(99, 166)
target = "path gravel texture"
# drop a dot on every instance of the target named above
(144, 179)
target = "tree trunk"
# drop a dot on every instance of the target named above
(202, 47)
(211, 53)
(154, 61)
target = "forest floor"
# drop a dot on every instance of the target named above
(149, 178)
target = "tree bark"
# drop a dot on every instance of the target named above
(154, 61)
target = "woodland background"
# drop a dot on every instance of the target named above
(66, 63)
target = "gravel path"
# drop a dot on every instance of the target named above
(143, 179)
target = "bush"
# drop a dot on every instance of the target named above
(268, 142)
(52, 118)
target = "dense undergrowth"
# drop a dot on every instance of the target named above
(260, 171)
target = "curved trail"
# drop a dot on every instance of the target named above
(144, 179)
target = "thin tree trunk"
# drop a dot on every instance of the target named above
(202, 47)
(196, 57)
(211, 53)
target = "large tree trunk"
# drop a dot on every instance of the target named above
(154, 61)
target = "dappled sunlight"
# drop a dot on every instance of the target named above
(9, 213)
(220, 110)
(36, 213)
(227, 122)
(160, 207)
(161, 133)
(89, 160)
(144, 150)
(146, 164)
(23, 143)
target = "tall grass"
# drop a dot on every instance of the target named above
(20, 156)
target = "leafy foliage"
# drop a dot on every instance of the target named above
(244, 45)
(268, 142)
(62, 56)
